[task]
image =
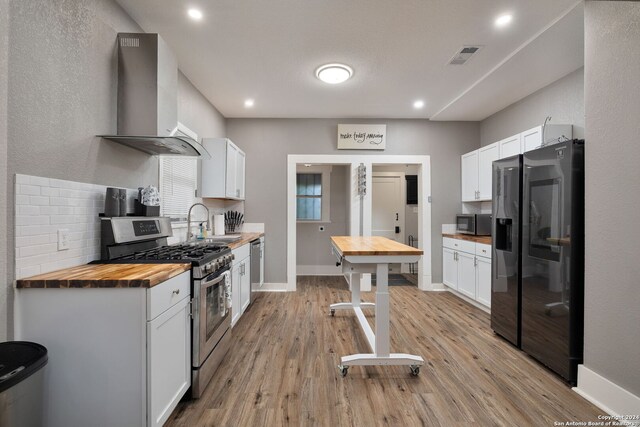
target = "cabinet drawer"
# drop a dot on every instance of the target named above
(459, 245)
(483, 250)
(163, 296)
(241, 253)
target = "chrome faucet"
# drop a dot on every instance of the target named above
(190, 235)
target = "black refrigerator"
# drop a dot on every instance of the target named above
(538, 254)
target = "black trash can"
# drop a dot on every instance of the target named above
(21, 383)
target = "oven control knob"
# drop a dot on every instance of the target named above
(207, 268)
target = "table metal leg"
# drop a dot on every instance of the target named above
(355, 297)
(379, 342)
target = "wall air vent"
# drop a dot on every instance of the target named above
(129, 42)
(464, 54)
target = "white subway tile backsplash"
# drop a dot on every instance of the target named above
(32, 241)
(45, 205)
(28, 190)
(21, 199)
(38, 200)
(28, 271)
(22, 179)
(37, 180)
(27, 210)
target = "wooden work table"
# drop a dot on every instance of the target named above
(371, 245)
(360, 255)
(106, 276)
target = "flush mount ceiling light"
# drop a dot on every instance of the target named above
(248, 103)
(194, 14)
(503, 20)
(418, 104)
(334, 73)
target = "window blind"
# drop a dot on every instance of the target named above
(178, 183)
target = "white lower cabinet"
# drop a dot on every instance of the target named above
(240, 282)
(449, 268)
(117, 356)
(483, 281)
(466, 274)
(168, 362)
(465, 271)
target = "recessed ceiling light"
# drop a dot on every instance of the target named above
(194, 14)
(503, 20)
(248, 103)
(418, 104)
(334, 73)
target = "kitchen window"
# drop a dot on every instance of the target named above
(178, 183)
(312, 194)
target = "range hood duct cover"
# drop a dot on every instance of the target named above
(148, 98)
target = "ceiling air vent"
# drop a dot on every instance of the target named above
(129, 42)
(464, 55)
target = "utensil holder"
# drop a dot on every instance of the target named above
(144, 210)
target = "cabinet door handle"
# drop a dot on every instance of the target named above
(475, 261)
(176, 291)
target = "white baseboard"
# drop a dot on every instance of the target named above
(606, 395)
(435, 287)
(318, 270)
(469, 300)
(275, 287)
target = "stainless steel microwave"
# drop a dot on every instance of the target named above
(476, 224)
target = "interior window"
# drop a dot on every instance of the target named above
(309, 197)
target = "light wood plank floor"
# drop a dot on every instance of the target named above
(281, 369)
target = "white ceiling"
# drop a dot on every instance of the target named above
(268, 51)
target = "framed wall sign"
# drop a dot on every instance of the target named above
(362, 137)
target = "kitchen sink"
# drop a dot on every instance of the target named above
(227, 238)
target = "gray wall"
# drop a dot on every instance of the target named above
(4, 38)
(268, 141)
(62, 92)
(313, 246)
(562, 99)
(197, 113)
(612, 96)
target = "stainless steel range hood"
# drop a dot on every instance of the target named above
(148, 98)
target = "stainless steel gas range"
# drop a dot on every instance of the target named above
(144, 240)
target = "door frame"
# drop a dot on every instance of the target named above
(355, 220)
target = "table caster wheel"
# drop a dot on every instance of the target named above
(415, 370)
(343, 370)
(333, 312)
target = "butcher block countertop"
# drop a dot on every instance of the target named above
(106, 276)
(371, 245)
(478, 239)
(246, 238)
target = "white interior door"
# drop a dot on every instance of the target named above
(387, 210)
(387, 219)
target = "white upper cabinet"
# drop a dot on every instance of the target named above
(222, 176)
(469, 168)
(240, 169)
(486, 157)
(510, 146)
(476, 173)
(533, 138)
